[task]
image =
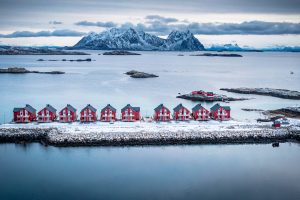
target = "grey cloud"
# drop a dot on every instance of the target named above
(55, 22)
(161, 18)
(98, 24)
(57, 33)
(244, 28)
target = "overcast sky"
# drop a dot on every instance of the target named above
(63, 22)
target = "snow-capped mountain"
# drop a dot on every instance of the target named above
(130, 39)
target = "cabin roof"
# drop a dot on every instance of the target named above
(158, 108)
(70, 107)
(136, 109)
(217, 106)
(89, 107)
(197, 107)
(28, 107)
(50, 108)
(109, 107)
(178, 107)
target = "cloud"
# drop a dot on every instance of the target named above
(57, 33)
(98, 24)
(245, 28)
(161, 19)
(55, 22)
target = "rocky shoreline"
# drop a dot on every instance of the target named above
(9, 50)
(57, 136)
(21, 70)
(280, 93)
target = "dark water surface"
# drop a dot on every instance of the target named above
(168, 172)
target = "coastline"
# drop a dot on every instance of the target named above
(142, 133)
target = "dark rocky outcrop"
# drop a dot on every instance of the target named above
(120, 53)
(71, 60)
(218, 55)
(21, 70)
(281, 93)
(9, 50)
(137, 74)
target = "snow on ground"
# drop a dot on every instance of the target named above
(127, 131)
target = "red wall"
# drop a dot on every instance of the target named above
(202, 110)
(72, 115)
(176, 117)
(136, 115)
(31, 116)
(93, 116)
(44, 111)
(102, 118)
(163, 110)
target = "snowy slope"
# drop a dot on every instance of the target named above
(130, 39)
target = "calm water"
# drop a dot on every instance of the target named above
(102, 81)
(170, 172)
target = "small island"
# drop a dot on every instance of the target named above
(9, 50)
(137, 74)
(291, 112)
(71, 60)
(201, 95)
(120, 53)
(21, 70)
(280, 93)
(218, 55)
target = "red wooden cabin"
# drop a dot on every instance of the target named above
(88, 114)
(130, 114)
(181, 113)
(108, 114)
(276, 124)
(162, 113)
(47, 114)
(200, 113)
(24, 115)
(203, 93)
(68, 114)
(221, 113)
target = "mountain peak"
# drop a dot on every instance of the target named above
(130, 39)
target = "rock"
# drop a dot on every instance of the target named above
(281, 93)
(252, 109)
(218, 54)
(291, 112)
(275, 144)
(21, 70)
(71, 60)
(120, 53)
(137, 74)
(9, 50)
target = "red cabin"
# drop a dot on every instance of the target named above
(162, 113)
(130, 114)
(202, 93)
(276, 124)
(181, 113)
(108, 114)
(200, 113)
(88, 114)
(24, 115)
(47, 114)
(221, 113)
(68, 114)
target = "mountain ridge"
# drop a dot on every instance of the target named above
(130, 39)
